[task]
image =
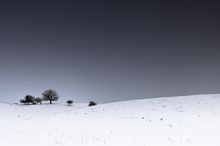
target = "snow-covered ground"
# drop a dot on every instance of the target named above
(170, 121)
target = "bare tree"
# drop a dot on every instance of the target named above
(50, 95)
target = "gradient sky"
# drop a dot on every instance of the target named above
(109, 50)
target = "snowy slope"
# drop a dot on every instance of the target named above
(170, 121)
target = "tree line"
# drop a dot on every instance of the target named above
(48, 95)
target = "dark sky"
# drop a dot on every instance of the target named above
(109, 50)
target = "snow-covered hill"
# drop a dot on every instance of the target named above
(170, 121)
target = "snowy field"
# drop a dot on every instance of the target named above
(167, 121)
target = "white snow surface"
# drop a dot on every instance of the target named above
(168, 121)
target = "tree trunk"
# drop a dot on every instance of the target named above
(50, 101)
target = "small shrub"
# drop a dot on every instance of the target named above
(23, 101)
(69, 102)
(92, 103)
